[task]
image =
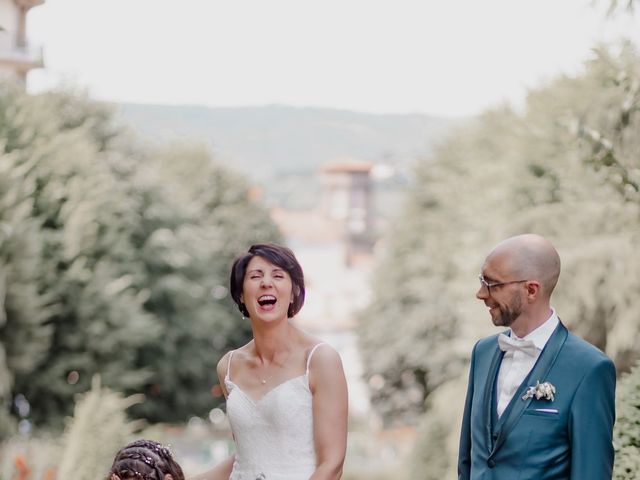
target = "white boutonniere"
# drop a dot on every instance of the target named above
(540, 390)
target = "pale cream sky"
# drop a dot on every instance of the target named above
(383, 56)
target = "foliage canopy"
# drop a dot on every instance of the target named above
(114, 260)
(565, 166)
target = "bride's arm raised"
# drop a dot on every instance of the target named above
(221, 471)
(330, 404)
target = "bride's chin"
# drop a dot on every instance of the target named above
(270, 317)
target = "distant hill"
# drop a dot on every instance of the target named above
(289, 143)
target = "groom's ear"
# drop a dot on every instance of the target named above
(533, 289)
(168, 476)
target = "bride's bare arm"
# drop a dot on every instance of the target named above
(330, 399)
(222, 471)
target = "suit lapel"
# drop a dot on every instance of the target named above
(488, 399)
(541, 369)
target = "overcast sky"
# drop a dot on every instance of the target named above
(442, 57)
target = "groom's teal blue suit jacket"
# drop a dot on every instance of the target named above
(567, 438)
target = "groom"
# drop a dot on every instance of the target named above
(540, 401)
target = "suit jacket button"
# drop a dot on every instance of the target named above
(491, 462)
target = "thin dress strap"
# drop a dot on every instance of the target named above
(311, 354)
(227, 377)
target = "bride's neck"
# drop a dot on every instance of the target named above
(271, 343)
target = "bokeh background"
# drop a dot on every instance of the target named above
(144, 144)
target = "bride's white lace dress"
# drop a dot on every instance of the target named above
(274, 434)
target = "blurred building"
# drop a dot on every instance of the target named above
(334, 244)
(17, 56)
(346, 198)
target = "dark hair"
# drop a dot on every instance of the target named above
(145, 460)
(278, 255)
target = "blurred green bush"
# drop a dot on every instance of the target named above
(627, 428)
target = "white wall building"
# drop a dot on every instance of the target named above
(17, 56)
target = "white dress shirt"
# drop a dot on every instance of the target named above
(516, 365)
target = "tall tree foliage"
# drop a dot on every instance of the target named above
(191, 229)
(611, 147)
(610, 131)
(20, 301)
(409, 335)
(596, 215)
(508, 173)
(114, 260)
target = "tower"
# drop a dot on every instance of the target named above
(17, 57)
(346, 198)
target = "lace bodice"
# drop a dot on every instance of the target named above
(274, 435)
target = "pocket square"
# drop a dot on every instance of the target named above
(546, 410)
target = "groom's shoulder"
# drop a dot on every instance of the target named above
(579, 347)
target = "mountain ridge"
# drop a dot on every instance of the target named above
(287, 138)
(280, 148)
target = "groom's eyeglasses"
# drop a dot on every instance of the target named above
(489, 285)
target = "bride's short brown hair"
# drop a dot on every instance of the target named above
(279, 255)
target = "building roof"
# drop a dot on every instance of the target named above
(346, 165)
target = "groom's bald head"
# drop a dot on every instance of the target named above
(530, 257)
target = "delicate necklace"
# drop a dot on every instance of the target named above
(265, 374)
(262, 378)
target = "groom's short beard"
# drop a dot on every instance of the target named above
(509, 313)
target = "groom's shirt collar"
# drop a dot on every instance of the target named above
(541, 335)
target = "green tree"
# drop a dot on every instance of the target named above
(115, 260)
(609, 128)
(21, 302)
(79, 219)
(410, 334)
(506, 173)
(581, 209)
(197, 216)
(625, 6)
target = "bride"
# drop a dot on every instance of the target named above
(286, 391)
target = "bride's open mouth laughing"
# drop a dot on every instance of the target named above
(267, 302)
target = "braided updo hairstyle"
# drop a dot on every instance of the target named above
(144, 460)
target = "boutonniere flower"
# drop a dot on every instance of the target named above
(540, 390)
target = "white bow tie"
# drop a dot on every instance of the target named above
(508, 344)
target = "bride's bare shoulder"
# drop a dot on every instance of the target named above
(239, 355)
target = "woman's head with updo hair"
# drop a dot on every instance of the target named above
(145, 460)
